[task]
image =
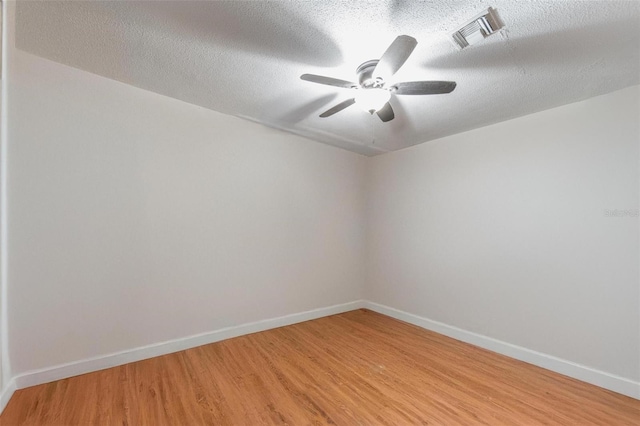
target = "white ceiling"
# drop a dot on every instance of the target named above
(245, 58)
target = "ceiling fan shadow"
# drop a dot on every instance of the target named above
(392, 134)
(570, 49)
(63, 30)
(264, 28)
(301, 112)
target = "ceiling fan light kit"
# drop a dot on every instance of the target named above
(373, 92)
(371, 96)
(372, 100)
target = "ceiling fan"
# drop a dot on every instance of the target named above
(373, 90)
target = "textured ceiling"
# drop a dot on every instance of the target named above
(245, 57)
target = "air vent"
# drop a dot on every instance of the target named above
(481, 27)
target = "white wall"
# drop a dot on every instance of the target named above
(135, 218)
(502, 231)
(3, 324)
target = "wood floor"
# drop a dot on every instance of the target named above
(357, 368)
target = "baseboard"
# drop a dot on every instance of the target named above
(581, 372)
(89, 365)
(6, 394)
(568, 368)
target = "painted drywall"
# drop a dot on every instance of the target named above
(245, 57)
(524, 231)
(3, 323)
(136, 218)
(2, 246)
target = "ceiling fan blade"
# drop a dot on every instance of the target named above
(337, 108)
(394, 57)
(320, 79)
(423, 87)
(386, 113)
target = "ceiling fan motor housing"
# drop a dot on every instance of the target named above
(364, 73)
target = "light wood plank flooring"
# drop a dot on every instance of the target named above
(357, 368)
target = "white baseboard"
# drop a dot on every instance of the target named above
(6, 394)
(568, 368)
(581, 372)
(63, 371)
